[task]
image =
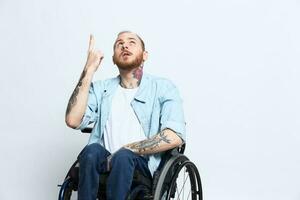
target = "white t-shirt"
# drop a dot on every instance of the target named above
(122, 126)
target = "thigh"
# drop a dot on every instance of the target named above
(124, 157)
(95, 153)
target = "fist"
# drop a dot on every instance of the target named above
(94, 56)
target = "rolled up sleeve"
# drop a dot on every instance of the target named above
(172, 115)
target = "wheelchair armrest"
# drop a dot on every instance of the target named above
(177, 150)
(181, 148)
(88, 129)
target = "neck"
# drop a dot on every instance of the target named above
(131, 78)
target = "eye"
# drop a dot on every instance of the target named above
(132, 42)
(119, 44)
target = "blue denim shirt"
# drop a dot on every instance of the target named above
(157, 105)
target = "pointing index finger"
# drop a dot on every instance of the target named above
(91, 43)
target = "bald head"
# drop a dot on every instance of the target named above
(135, 34)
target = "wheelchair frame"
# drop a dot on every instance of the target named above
(162, 186)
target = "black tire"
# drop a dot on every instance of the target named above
(167, 183)
(65, 191)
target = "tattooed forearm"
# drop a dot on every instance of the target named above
(164, 137)
(150, 144)
(73, 98)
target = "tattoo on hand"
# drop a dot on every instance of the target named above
(150, 144)
(73, 98)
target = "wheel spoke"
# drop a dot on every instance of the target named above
(189, 193)
(183, 185)
(178, 186)
(177, 193)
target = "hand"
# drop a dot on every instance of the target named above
(94, 56)
(128, 147)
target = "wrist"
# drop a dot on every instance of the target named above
(88, 71)
(130, 149)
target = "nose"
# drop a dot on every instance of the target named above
(124, 45)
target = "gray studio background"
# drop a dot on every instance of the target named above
(236, 64)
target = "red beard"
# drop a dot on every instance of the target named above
(128, 65)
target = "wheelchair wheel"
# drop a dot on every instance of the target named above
(66, 190)
(179, 179)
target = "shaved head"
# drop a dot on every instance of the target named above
(140, 39)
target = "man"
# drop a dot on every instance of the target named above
(137, 116)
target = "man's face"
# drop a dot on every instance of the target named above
(128, 51)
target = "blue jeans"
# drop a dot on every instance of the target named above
(93, 162)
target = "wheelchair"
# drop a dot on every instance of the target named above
(176, 178)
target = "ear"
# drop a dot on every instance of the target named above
(145, 55)
(113, 60)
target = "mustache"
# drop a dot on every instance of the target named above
(126, 52)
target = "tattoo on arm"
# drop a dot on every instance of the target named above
(150, 144)
(73, 98)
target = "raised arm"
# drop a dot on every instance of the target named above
(79, 98)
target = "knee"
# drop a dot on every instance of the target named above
(91, 153)
(123, 157)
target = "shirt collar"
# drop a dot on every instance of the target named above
(141, 94)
